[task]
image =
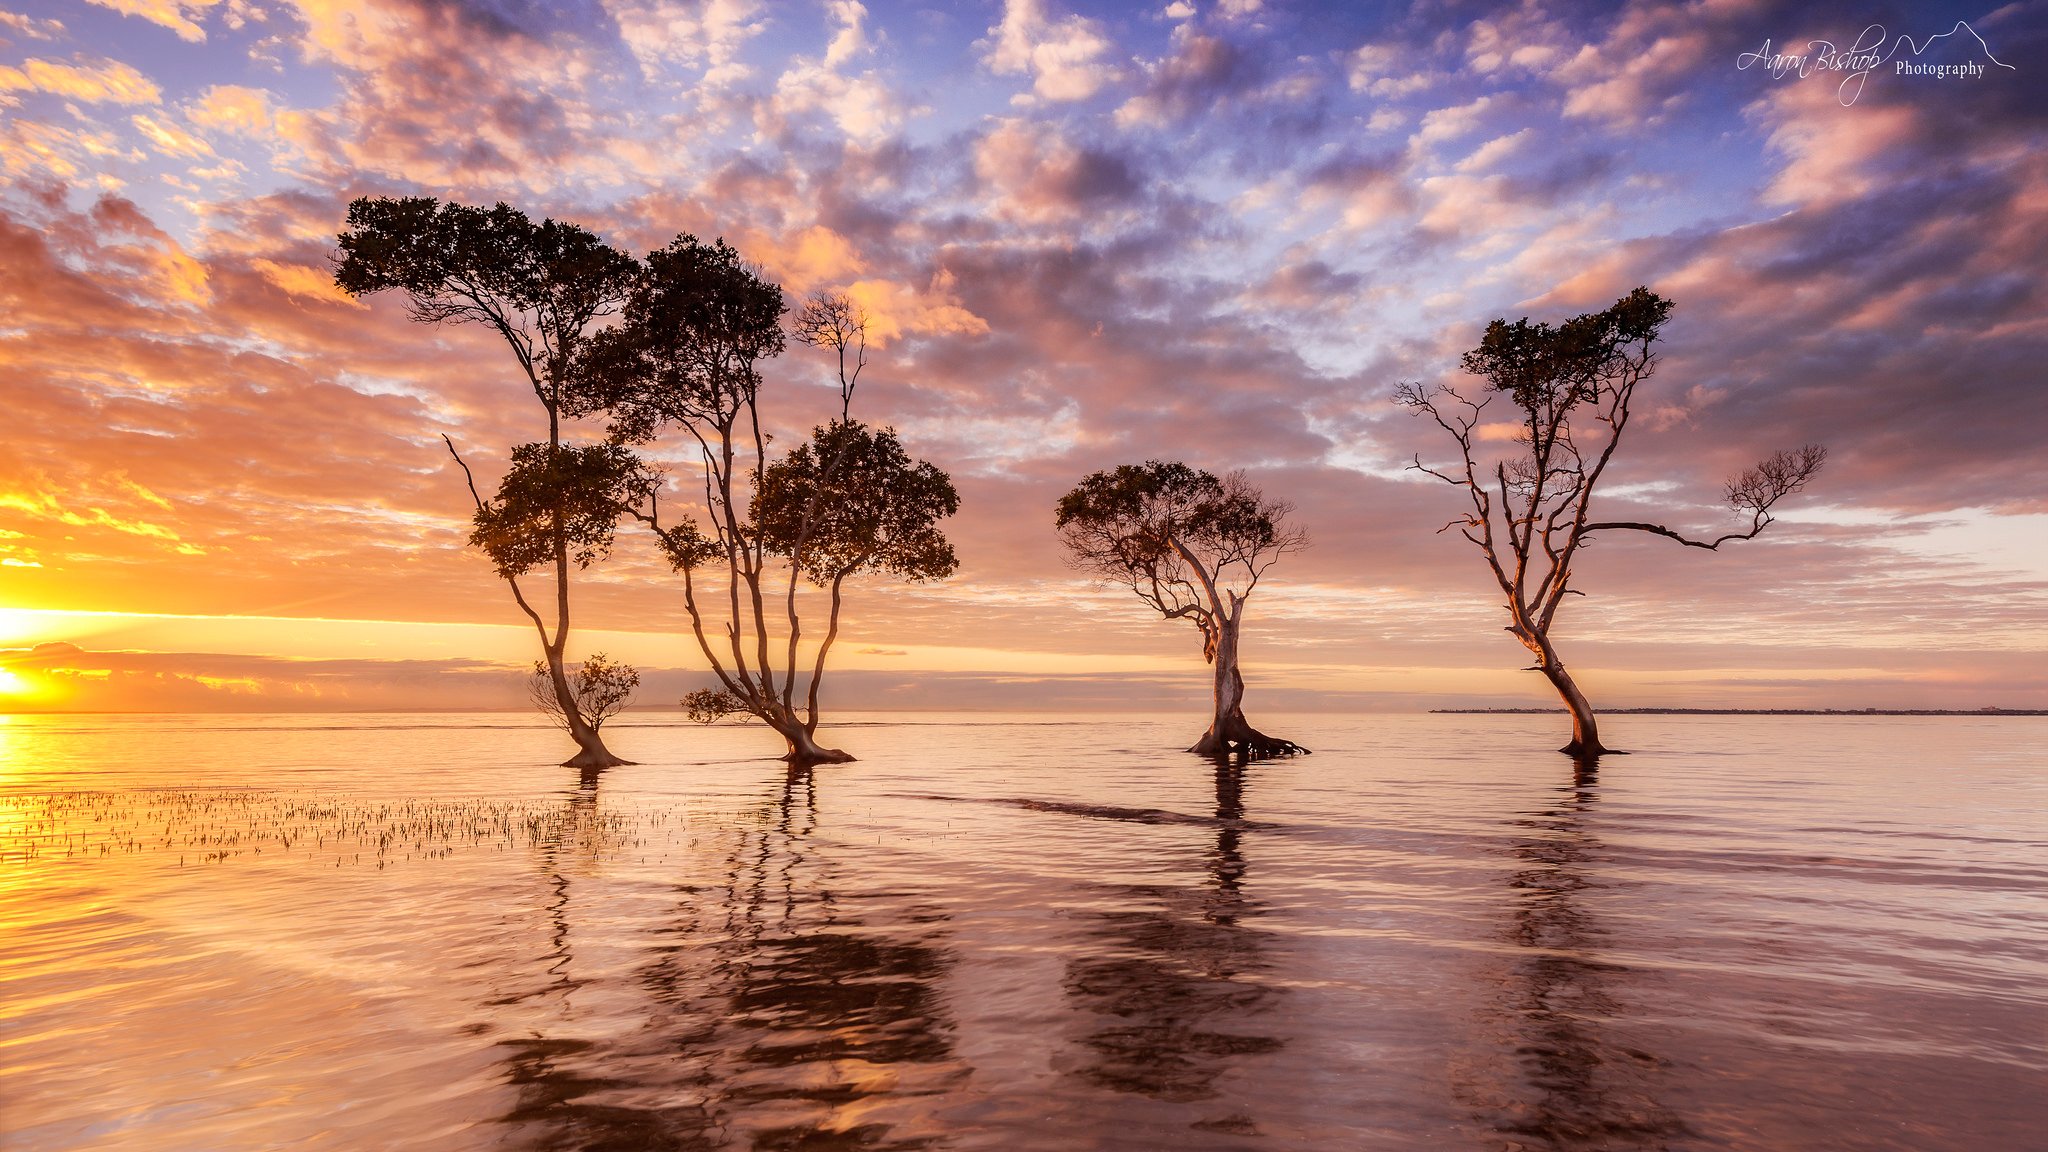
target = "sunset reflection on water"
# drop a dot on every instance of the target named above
(1016, 932)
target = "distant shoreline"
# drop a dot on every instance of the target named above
(645, 712)
(1749, 711)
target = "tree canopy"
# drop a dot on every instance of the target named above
(559, 499)
(539, 286)
(851, 500)
(1175, 535)
(684, 353)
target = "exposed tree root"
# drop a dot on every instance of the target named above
(1589, 751)
(590, 758)
(822, 756)
(804, 752)
(1238, 738)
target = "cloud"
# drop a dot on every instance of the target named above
(306, 283)
(470, 95)
(173, 274)
(33, 150)
(1035, 174)
(101, 82)
(1384, 70)
(894, 309)
(1309, 285)
(180, 16)
(1063, 56)
(169, 139)
(1083, 239)
(1200, 73)
(707, 35)
(1444, 124)
(1491, 153)
(1368, 188)
(44, 504)
(233, 109)
(66, 677)
(863, 106)
(1522, 39)
(33, 27)
(1829, 157)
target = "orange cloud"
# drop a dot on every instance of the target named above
(170, 139)
(45, 505)
(180, 16)
(29, 148)
(233, 108)
(107, 82)
(894, 308)
(306, 283)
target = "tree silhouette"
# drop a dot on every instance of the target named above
(600, 688)
(1573, 384)
(710, 705)
(539, 287)
(1193, 547)
(846, 502)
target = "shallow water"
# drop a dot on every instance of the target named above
(1016, 932)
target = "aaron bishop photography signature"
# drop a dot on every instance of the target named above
(1872, 50)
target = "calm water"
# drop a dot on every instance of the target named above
(1023, 933)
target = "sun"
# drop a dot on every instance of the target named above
(12, 686)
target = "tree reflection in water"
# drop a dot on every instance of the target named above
(786, 1008)
(1591, 1091)
(1177, 974)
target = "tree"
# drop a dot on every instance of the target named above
(1530, 512)
(849, 501)
(540, 287)
(1193, 547)
(600, 689)
(710, 705)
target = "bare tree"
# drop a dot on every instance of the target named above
(1192, 547)
(848, 501)
(833, 321)
(1572, 385)
(539, 287)
(600, 689)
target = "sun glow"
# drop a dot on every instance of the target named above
(14, 687)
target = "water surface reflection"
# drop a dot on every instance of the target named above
(1025, 936)
(1581, 1085)
(787, 1007)
(1171, 977)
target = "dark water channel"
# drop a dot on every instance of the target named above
(1024, 933)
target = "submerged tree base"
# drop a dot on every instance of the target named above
(1579, 751)
(805, 752)
(1232, 736)
(590, 758)
(796, 759)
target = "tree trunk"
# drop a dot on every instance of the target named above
(1229, 732)
(804, 749)
(1585, 743)
(590, 750)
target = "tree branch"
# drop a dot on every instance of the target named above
(519, 597)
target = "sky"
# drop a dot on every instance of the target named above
(1085, 235)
